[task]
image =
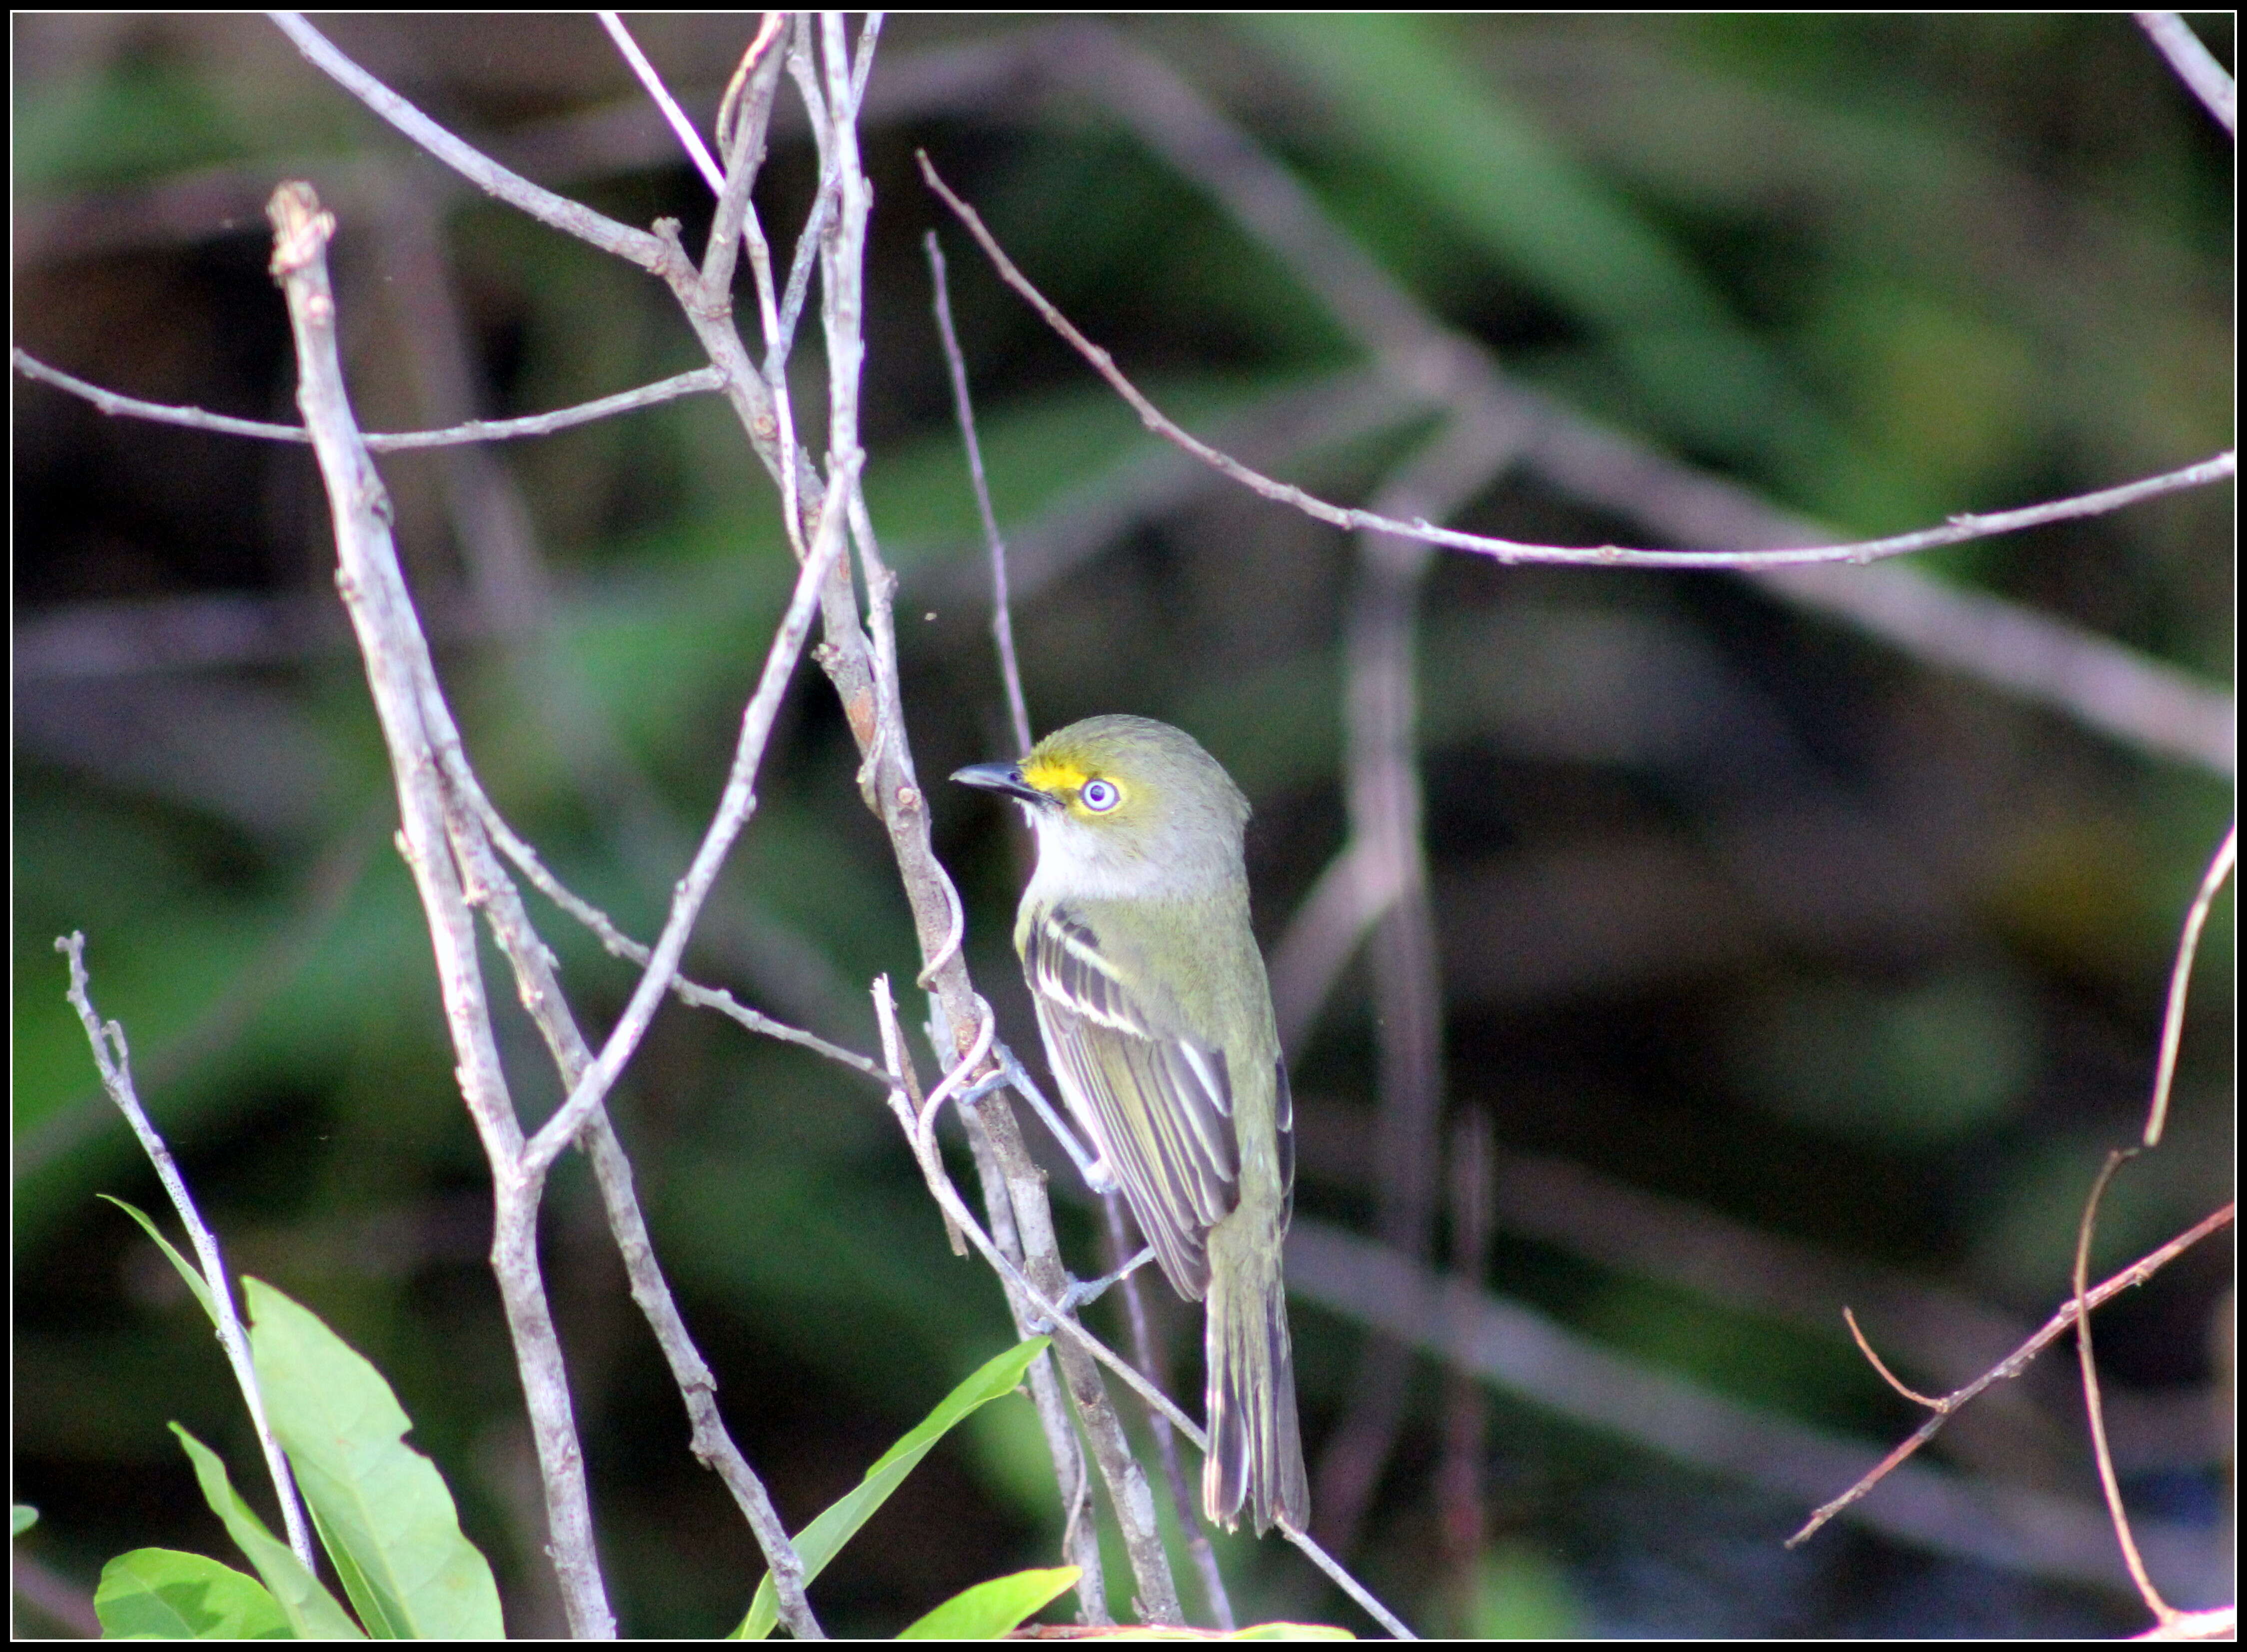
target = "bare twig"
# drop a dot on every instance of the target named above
(541, 992)
(1958, 529)
(829, 88)
(2137, 1273)
(2195, 64)
(2219, 867)
(555, 211)
(2162, 1611)
(115, 1062)
(1079, 1525)
(736, 804)
(686, 384)
(673, 116)
(1003, 622)
(2109, 686)
(396, 657)
(1865, 1348)
(1185, 1507)
(1525, 1352)
(2172, 1032)
(735, 222)
(426, 745)
(730, 105)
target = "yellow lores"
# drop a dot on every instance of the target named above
(1134, 937)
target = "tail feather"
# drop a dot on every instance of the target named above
(1256, 1455)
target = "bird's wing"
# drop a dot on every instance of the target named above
(1159, 1104)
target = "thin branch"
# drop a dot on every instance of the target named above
(1080, 1538)
(1958, 529)
(2219, 867)
(1865, 1348)
(1002, 621)
(2013, 1365)
(115, 1062)
(396, 657)
(652, 83)
(2162, 1611)
(750, 117)
(489, 888)
(864, 667)
(2172, 1032)
(1185, 1508)
(474, 430)
(735, 805)
(841, 314)
(1187, 1514)
(620, 944)
(1525, 1353)
(2195, 64)
(2016, 649)
(555, 211)
(729, 105)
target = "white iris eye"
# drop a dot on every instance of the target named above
(1099, 796)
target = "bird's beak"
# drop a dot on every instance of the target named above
(1005, 779)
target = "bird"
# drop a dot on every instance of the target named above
(1157, 1018)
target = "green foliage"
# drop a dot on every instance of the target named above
(988, 1610)
(310, 1612)
(818, 1542)
(187, 1270)
(382, 1508)
(164, 1594)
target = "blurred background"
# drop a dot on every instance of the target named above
(1772, 956)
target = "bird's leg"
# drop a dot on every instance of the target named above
(1082, 1291)
(1094, 1169)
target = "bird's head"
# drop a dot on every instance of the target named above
(1120, 799)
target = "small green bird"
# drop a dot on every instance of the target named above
(1134, 936)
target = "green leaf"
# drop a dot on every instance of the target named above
(989, 1610)
(188, 1271)
(22, 1517)
(311, 1610)
(823, 1538)
(1287, 1632)
(166, 1595)
(381, 1507)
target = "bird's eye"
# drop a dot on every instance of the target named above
(1099, 796)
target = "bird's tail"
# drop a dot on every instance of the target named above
(1255, 1446)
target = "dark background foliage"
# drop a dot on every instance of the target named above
(1736, 905)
